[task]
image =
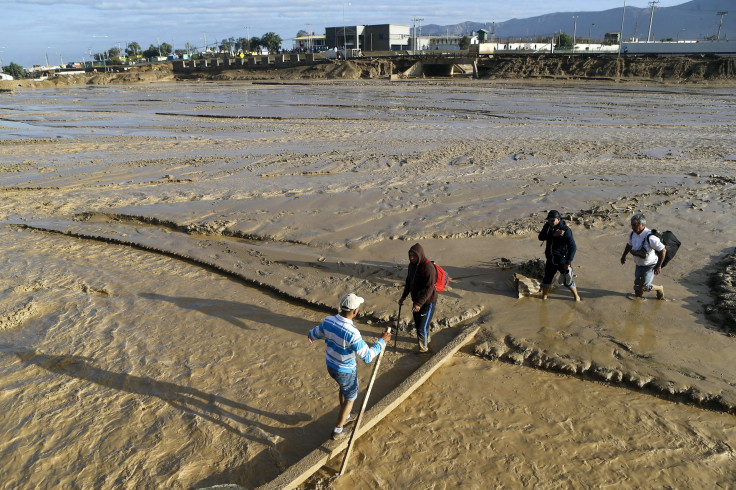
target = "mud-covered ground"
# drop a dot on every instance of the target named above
(166, 247)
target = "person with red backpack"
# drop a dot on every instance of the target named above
(420, 283)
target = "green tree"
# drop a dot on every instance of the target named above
(242, 44)
(14, 70)
(464, 42)
(227, 45)
(254, 43)
(113, 52)
(166, 49)
(133, 49)
(151, 51)
(302, 33)
(272, 41)
(564, 40)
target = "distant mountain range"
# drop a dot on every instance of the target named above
(696, 19)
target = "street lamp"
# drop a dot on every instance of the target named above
(344, 34)
(574, 31)
(47, 54)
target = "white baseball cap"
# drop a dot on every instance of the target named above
(350, 302)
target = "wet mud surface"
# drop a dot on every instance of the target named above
(167, 247)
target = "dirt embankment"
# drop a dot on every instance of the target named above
(159, 72)
(663, 70)
(666, 70)
(670, 69)
(330, 70)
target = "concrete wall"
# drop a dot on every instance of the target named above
(216, 64)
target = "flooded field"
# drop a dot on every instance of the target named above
(166, 247)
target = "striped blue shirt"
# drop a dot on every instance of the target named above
(343, 342)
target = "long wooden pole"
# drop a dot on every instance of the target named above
(396, 334)
(362, 409)
(300, 471)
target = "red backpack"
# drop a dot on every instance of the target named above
(442, 278)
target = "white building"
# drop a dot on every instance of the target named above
(442, 43)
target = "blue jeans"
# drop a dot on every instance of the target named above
(643, 277)
(422, 322)
(348, 383)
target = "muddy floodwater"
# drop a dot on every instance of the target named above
(166, 247)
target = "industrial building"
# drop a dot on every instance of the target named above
(380, 37)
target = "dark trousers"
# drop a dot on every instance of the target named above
(422, 321)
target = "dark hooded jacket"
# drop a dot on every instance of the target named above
(561, 249)
(420, 279)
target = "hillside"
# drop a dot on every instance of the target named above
(691, 20)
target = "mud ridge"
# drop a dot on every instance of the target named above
(14, 318)
(190, 260)
(516, 351)
(215, 228)
(375, 318)
(259, 118)
(723, 290)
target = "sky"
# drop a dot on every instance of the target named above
(68, 31)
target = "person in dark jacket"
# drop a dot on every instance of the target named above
(559, 252)
(420, 281)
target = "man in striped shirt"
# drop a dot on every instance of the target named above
(343, 341)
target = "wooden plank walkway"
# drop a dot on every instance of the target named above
(307, 466)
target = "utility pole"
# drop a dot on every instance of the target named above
(574, 31)
(309, 38)
(652, 5)
(416, 41)
(420, 30)
(621, 37)
(344, 34)
(721, 14)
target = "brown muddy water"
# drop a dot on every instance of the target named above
(165, 249)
